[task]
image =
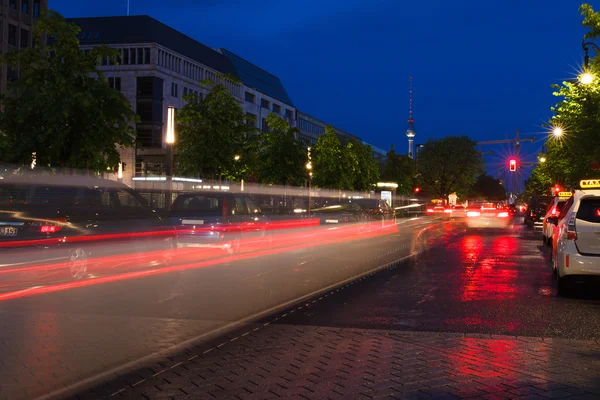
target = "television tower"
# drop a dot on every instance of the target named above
(411, 131)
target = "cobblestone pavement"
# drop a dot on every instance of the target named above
(307, 362)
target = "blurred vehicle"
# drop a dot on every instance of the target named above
(341, 214)
(536, 209)
(487, 215)
(436, 210)
(216, 219)
(376, 209)
(553, 210)
(458, 211)
(72, 220)
(576, 237)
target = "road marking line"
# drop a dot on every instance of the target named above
(117, 392)
(235, 338)
(208, 351)
(221, 345)
(137, 383)
(192, 357)
(244, 334)
(158, 373)
(177, 365)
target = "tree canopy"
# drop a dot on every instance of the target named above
(211, 133)
(400, 169)
(61, 107)
(575, 155)
(282, 158)
(449, 165)
(489, 188)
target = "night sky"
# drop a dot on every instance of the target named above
(482, 68)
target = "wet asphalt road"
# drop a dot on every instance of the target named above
(468, 282)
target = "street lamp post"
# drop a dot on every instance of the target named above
(170, 141)
(309, 169)
(587, 77)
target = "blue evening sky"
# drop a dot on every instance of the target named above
(482, 68)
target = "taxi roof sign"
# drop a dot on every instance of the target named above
(589, 183)
(565, 194)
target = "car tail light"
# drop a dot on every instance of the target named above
(473, 213)
(503, 215)
(50, 228)
(447, 210)
(47, 226)
(571, 228)
(430, 210)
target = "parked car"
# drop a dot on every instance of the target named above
(334, 214)
(74, 220)
(376, 209)
(217, 219)
(536, 210)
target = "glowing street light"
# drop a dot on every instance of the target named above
(170, 141)
(236, 157)
(586, 78)
(557, 131)
(542, 159)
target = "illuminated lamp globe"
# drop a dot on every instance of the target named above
(557, 131)
(586, 78)
(410, 133)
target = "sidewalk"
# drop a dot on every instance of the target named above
(307, 362)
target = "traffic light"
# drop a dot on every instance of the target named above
(556, 189)
(513, 164)
(417, 189)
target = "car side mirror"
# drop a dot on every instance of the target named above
(552, 220)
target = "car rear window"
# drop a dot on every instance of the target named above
(589, 210)
(198, 203)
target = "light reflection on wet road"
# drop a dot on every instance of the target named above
(496, 282)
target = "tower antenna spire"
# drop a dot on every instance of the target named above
(410, 102)
(411, 131)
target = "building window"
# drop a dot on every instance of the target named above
(185, 91)
(13, 4)
(24, 38)
(12, 35)
(25, 6)
(289, 114)
(140, 55)
(276, 108)
(36, 8)
(264, 125)
(250, 119)
(147, 55)
(174, 89)
(264, 103)
(115, 83)
(250, 97)
(11, 74)
(125, 56)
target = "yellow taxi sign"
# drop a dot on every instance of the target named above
(589, 183)
(565, 194)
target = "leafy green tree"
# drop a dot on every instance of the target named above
(574, 155)
(61, 107)
(282, 157)
(399, 169)
(360, 165)
(327, 161)
(489, 188)
(211, 133)
(449, 165)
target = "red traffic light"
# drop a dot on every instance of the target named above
(557, 189)
(513, 164)
(417, 189)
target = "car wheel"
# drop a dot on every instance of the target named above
(234, 246)
(78, 260)
(563, 285)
